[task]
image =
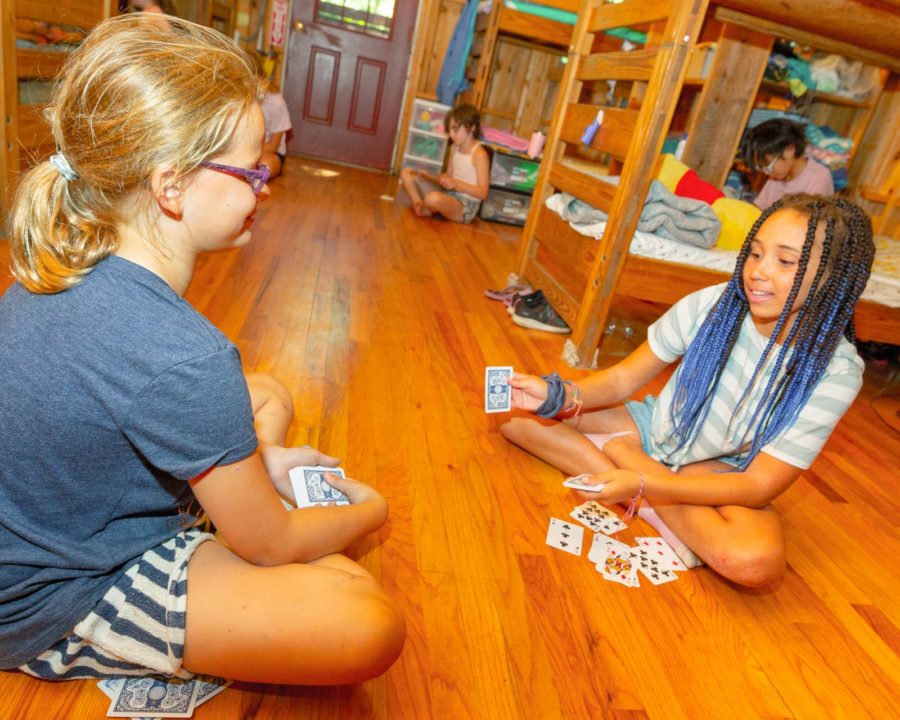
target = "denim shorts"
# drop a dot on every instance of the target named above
(470, 205)
(641, 412)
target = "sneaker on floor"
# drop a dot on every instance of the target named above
(534, 312)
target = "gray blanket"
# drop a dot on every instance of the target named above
(664, 213)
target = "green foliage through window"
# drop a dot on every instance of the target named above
(372, 17)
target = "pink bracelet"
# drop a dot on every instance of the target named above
(637, 498)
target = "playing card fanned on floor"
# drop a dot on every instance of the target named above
(651, 567)
(565, 536)
(598, 518)
(662, 551)
(497, 392)
(600, 546)
(311, 488)
(619, 566)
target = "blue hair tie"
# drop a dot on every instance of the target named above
(556, 396)
(62, 166)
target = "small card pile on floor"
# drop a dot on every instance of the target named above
(613, 559)
(159, 697)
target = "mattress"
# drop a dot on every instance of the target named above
(883, 286)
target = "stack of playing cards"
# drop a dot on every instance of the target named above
(159, 697)
(311, 488)
(613, 559)
(497, 392)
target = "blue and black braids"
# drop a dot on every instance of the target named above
(817, 328)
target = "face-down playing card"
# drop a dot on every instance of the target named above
(497, 392)
(154, 696)
(311, 488)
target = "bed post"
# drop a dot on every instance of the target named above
(655, 115)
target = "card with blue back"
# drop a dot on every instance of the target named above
(311, 488)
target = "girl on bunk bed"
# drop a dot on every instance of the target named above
(456, 194)
(123, 408)
(768, 368)
(776, 148)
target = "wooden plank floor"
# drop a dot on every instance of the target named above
(378, 323)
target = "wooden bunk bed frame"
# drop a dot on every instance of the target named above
(503, 21)
(26, 136)
(580, 275)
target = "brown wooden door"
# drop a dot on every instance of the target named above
(344, 87)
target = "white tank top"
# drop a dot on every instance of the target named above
(462, 168)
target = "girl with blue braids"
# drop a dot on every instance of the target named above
(768, 368)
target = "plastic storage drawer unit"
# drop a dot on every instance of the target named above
(505, 207)
(515, 173)
(426, 147)
(428, 116)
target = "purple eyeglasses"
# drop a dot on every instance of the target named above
(257, 177)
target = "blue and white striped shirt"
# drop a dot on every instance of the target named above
(721, 435)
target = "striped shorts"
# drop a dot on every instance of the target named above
(137, 627)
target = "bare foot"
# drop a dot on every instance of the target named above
(420, 210)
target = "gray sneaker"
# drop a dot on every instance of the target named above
(534, 312)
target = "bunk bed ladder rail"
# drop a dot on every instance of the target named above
(633, 136)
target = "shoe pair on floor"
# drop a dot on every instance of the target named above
(529, 308)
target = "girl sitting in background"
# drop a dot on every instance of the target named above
(465, 184)
(278, 122)
(776, 148)
(768, 368)
(123, 408)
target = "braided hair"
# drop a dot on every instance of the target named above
(819, 324)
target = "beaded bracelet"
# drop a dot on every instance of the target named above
(637, 498)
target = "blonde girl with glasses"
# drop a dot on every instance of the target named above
(125, 412)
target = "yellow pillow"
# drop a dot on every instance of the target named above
(670, 172)
(737, 218)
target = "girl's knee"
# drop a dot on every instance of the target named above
(266, 389)
(757, 565)
(517, 428)
(378, 632)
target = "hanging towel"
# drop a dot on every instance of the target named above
(452, 80)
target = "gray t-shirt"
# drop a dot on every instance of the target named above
(113, 394)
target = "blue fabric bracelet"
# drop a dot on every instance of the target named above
(556, 396)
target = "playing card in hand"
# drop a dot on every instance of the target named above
(497, 392)
(154, 696)
(565, 536)
(311, 488)
(583, 482)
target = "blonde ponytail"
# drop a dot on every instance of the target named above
(135, 96)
